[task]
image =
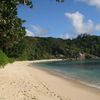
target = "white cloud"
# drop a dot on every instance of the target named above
(65, 36)
(97, 27)
(29, 33)
(95, 3)
(79, 24)
(38, 30)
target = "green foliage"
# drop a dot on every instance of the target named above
(31, 48)
(11, 29)
(3, 59)
(88, 44)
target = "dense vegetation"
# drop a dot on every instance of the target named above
(44, 48)
(3, 59)
(11, 29)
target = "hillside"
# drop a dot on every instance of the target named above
(31, 48)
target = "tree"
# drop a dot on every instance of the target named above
(11, 29)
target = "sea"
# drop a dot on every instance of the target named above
(85, 71)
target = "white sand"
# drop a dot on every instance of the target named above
(47, 60)
(19, 81)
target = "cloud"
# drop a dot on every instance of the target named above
(97, 27)
(80, 24)
(38, 30)
(95, 3)
(29, 33)
(65, 36)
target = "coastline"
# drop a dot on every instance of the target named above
(22, 81)
(74, 81)
(52, 72)
(47, 60)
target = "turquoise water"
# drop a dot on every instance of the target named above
(86, 71)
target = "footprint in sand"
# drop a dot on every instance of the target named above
(59, 97)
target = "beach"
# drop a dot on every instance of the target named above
(23, 81)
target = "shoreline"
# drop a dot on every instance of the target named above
(73, 81)
(47, 60)
(24, 81)
(61, 75)
(67, 78)
(50, 60)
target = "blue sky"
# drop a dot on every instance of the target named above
(64, 20)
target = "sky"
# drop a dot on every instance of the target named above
(49, 18)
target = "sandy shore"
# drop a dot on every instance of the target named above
(20, 81)
(47, 60)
